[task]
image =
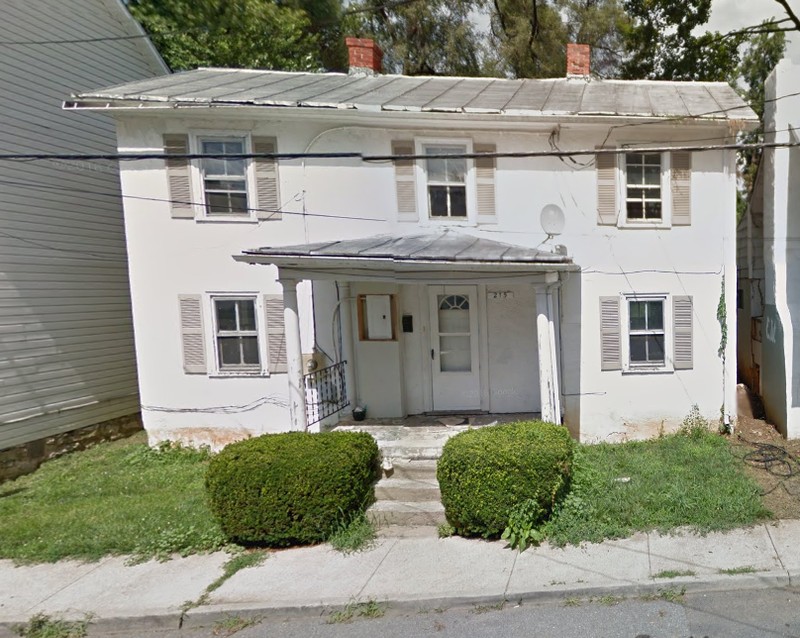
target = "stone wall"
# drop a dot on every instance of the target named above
(24, 459)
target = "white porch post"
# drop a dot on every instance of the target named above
(348, 352)
(294, 356)
(547, 388)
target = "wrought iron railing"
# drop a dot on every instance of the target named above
(326, 392)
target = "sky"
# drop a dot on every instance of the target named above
(727, 15)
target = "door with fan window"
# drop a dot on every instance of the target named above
(454, 347)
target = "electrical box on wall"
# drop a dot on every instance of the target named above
(376, 317)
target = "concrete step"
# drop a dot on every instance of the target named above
(406, 489)
(414, 470)
(404, 451)
(408, 531)
(388, 513)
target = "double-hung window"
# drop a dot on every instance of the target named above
(643, 201)
(646, 336)
(224, 179)
(446, 181)
(236, 334)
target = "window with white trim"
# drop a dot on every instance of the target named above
(224, 180)
(446, 182)
(236, 334)
(646, 336)
(643, 201)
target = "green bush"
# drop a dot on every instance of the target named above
(485, 473)
(292, 488)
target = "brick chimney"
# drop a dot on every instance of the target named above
(365, 56)
(578, 60)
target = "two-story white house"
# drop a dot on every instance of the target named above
(563, 247)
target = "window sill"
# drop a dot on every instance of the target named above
(647, 370)
(238, 374)
(661, 224)
(226, 220)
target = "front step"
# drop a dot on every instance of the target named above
(408, 497)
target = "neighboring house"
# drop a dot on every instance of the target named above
(457, 285)
(769, 260)
(66, 333)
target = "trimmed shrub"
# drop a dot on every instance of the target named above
(485, 473)
(292, 488)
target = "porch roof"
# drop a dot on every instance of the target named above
(445, 250)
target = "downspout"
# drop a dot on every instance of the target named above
(555, 344)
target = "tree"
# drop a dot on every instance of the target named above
(600, 24)
(230, 33)
(661, 44)
(422, 37)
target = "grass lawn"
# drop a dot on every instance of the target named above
(115, 498)
(679, 480)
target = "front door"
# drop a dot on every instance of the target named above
(454, 347)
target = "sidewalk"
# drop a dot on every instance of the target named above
(404, 573)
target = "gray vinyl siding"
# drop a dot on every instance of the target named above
(67, 356)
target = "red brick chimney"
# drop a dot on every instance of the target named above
(578, 60)
(365, 56)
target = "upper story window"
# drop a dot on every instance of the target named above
(446, 181)
(224, 179)
(643, 186)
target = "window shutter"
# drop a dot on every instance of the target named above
(405, 178)
(484, 177)
(681, 188)
(276, 335)
(269, 201)
(610, 334)
(682, 316)
(194, 351)
(606, 189)
(178, 176)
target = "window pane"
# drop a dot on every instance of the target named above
(638, 348)
(655, 315)
(247, 314)
(638, 319)
(437, 170)
(456, 170)
(653, 159)
(635, 210)
(229, 352)
(237, 185)
(226, 314)
(250, 350)
(655, 348)
(455, 354)
(438, 200)
(652, 210)
(652, 175)
(212, 147)
(213, 166)
(458, 201)
(634, 175)
(636, 193)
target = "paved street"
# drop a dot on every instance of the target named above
(765, 613)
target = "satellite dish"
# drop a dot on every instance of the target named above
(552, 219)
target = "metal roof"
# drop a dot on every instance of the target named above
(448, 246)
(556, 97)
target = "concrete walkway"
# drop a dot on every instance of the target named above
(404, 573)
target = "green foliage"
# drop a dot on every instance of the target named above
(292, 488)
(43, 626)
(722, 318)
(445, 530)
(484, 473)
(353, 534)
(230, 33)
(355, 609)
(524, 523)
(675, 481)
(694, 425)
(115, 498)
(233, 623)
(240, 561)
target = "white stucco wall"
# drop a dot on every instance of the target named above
(335, 199)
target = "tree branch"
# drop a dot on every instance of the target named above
(792, 15)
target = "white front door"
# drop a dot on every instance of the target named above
(454, 347)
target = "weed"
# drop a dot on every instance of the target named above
(694, 425)
(558, 582)
(231, 624)
(608, 600)
(733, 571)
(43, 626)
(572, 602)
(673, 573)
(445, 530)
(354, 609)
(236, 563)
(524, 525)
(354, 535)
(483, 609)
(670, 595)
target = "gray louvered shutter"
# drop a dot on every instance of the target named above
(179, 176)
(484, 178)
(610, 334)
(405, 179)
(276, 335)
(606, 189)
(192, 338)
(681, 188)
(267, 188)
(682, 316)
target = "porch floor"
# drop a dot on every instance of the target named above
(422, 436)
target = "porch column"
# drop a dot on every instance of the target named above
(547, 389)
(348, 352)
(294, 356)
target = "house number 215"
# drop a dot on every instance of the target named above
(501, 294)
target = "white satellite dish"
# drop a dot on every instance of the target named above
(552, 218)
